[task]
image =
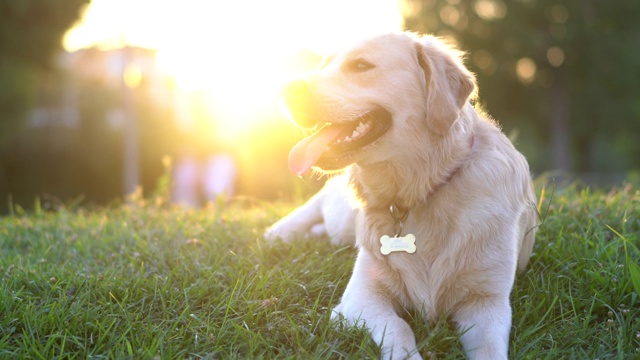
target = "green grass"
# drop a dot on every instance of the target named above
(147, 280)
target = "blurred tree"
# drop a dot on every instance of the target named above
(30, 34)
(564, 73)
(76, 153)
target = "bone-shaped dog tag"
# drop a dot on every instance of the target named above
(405, 243)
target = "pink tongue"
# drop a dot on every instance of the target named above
(305, 153)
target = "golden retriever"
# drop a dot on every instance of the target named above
(444, 207)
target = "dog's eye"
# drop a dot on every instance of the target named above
(359, 65)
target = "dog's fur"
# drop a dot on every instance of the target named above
(468, 191)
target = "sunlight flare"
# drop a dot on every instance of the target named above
(240, 53)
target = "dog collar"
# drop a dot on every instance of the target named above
(453, 173)
(399, 214)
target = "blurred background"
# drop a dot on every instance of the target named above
(100, 98)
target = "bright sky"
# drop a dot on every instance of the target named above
(236, 50)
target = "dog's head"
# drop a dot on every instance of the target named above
(368, 99)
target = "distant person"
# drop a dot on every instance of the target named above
(219, 177)
(186, 176)
(196, 182)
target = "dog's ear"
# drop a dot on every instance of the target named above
(448, 84)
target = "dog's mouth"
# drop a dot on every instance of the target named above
(337, 145)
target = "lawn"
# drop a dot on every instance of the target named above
(148, 280)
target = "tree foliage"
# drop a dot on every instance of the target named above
(564, 73)
(30, 34)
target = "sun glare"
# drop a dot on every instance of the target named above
(239, 52)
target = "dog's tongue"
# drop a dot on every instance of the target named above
(305, 153)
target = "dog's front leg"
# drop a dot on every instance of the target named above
(365, 303)
(485, 325)
(328, 212)
(302, 221)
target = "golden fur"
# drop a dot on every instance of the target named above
(467, 189)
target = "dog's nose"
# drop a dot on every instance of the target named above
(296, 95)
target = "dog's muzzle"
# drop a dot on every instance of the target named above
(297, 97)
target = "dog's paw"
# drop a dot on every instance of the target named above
(318, 230)
(274, 233)
(273, 236)
(277, 231)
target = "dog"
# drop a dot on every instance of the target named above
(439, 201)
